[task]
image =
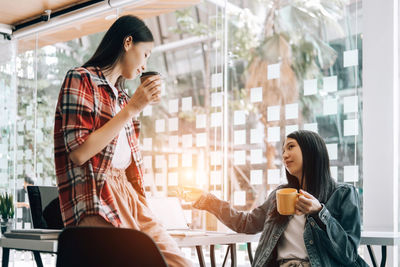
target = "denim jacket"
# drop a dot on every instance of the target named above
(331, 236)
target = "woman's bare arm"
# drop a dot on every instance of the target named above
(148, 92)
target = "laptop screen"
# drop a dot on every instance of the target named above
(45, 207)
(169, 211)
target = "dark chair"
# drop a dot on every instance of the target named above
(102, 246)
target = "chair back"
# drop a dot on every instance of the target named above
(107, 246)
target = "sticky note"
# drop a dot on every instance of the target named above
(201, 139)
(239, 117)
(163, 89)
(334, 172)
(274, 134)
(201, 121)
(350, 104)
(20, 169)
(274, 176)
(330, 84)
(291, 111)
(216, 119)
(39, 167)
(256, 94)
(148, 162)
(215, 177)
(39, 135)
(147, 144)
(257, 135)
(29, 125)
(239, 157)
(256, 176)
(350, 173)
(273, 113)
(216, 99)
(274, 71)
(173, 161)
(49, 122)
(310, 87)
(173, 106)
(330, 106)
(332, 151)
(173, 124)
(21, 126)
(148, 179)
(256, 156)
(20, 154)
(20, 140)
(160, 179)
(239, 198)
(350, 58)
(186, 103)
(29, 109)
(311, 127)
(187, 140)
(28, 154)
(173, 179)
(49, 152)
(160, 126)
(160, 161)
(291, 128)
(40, 122)
(173, 141)
(239, 137)
(216, 80)
(187, 160)
(350, 127)
(215, 158)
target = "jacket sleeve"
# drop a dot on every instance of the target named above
(76, 107)
(239, 221)
(341, 234)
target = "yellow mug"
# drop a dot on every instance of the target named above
(286, 200)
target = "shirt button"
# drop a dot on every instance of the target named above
(311, 242)
(312, 224)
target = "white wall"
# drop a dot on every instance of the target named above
(381, 118)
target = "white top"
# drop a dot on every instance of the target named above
(291, 245)
(122, 156)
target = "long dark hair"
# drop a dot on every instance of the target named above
(318, 180)
(111, 47)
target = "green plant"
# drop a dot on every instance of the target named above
(6, 207)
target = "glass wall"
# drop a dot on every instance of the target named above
(239, 76)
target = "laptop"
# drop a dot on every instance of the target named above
(46, 214)
(45, 207)
(169, 211)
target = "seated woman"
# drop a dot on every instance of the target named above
(325, 230)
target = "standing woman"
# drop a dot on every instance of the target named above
(326, 229)
(98, 163)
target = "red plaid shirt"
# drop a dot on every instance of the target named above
(85, 103)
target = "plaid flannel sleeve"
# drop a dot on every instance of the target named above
(77, 108)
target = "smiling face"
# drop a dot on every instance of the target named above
(134, 60)
(293, 158)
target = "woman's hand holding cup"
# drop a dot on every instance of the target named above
(148, 92)
(290, 202)
(307, 204)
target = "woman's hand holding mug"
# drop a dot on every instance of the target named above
(148, 92)
(307, 204)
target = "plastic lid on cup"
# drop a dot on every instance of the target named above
(149, 73)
